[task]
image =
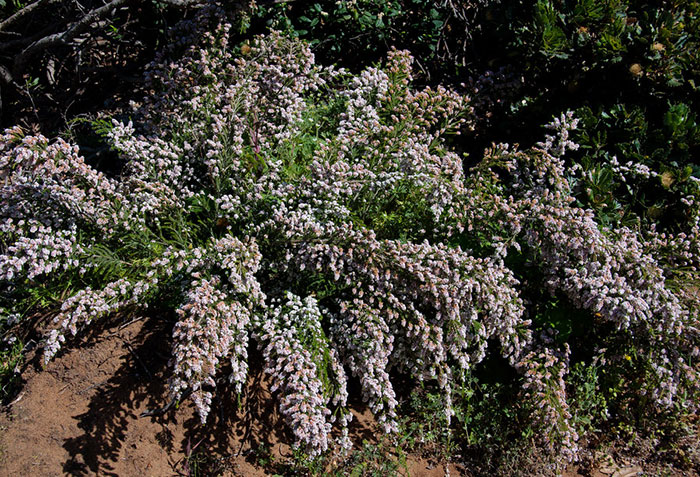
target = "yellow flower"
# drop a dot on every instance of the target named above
(667, 179)
(636, 70)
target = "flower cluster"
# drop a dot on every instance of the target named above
(207, 329)
(88, 305)
(545, 389)
(305, 370)
(43, 252)
(49, 183)
(558, 145)
(421, 308)
(391, 136)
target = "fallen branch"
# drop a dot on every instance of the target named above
(65, 36)
(22, 13)
(6, 76)
(162, 410)
(143, 366)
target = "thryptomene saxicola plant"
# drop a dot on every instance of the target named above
(323, 217)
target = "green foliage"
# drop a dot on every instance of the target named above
(360, 31)
(14, 6)
(596, 35)
(11, 358)
(489, 431)
(589, 408)
(665, 141)
(319, 123)
(375, 460)
(557, 315)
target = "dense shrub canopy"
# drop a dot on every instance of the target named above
(326, 217)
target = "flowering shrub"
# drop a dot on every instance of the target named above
(326, 217)
(617, 275)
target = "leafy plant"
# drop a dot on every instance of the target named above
(11, 358)
(349, 31)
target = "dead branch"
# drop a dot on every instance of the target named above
(23, 41)
(22, 13)
(65, 36)
(5, 75)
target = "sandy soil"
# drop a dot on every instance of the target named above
(80, 416)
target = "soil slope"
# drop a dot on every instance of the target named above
(81, 416)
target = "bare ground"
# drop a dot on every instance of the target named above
(80, 416)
